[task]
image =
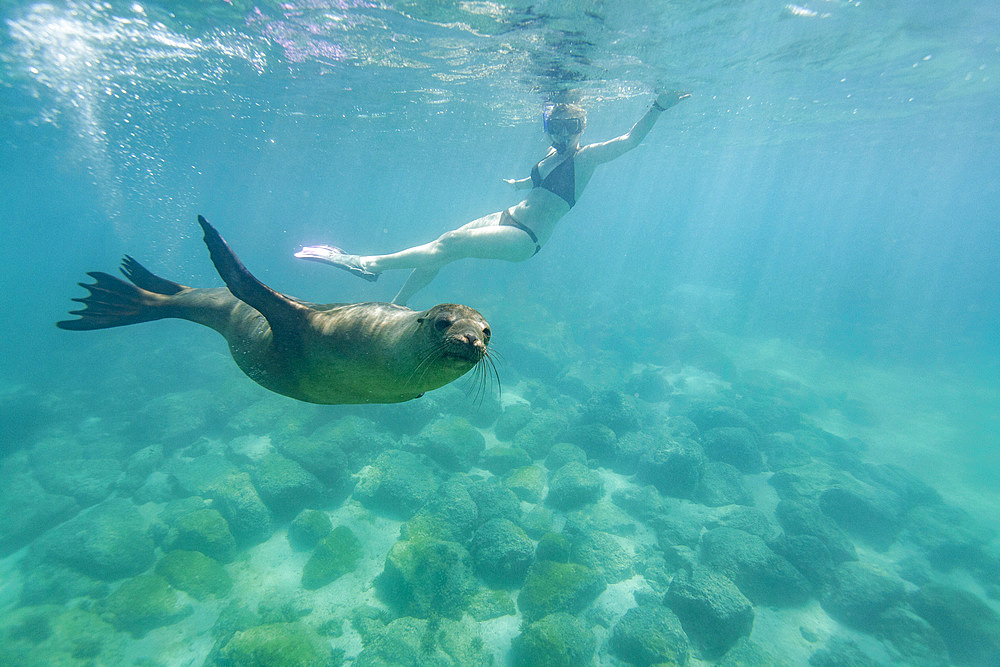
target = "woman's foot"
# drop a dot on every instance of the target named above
(336, 257)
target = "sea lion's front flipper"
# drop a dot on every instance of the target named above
(283, 314)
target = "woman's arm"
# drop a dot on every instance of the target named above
(519, 184)
(609, 150)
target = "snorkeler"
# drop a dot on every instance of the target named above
(520, 231)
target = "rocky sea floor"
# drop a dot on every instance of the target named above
(610, 511)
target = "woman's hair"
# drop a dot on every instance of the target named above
(565, 110)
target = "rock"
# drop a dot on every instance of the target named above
(493, 500)
(501, 553)
(195, 573)
(673, 466)
(425, 577)
(870, 514)
(537, 521)
(27, 510)
(452, 442)
(323, 457)
(858, 593)
(551, 587)
(800, 517)
(968, 626)
(555, 640)
(840, 652)
(628, 450)
(527, 483)
(513, 418)
(49, 635)
(722, 484)
(644, 503)
(47, 583)
(553, 546)
(649, 635)
(948, 535)
(913, 638)
(336, 554)
(708, 416)
(749, 654)
(237, 500)
(308, 528)
(451, 514)
(603, 554)
(500, 460)
(562, 453)
(285, 486)
(539, 434)
(737, 446)
(143, 604)
(88, 480)
(596, 440)
(414, 642)
(204, 530)
(488, 604)
(747, 519)
(397, 484)
(275, 645)
(574, 485)
(809, 556)
(713, 612)
(762, 575)
(108, 541)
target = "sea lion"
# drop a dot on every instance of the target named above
(331, 354)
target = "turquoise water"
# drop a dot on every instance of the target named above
(806, 249)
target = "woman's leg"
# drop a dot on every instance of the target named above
(479, 239)
(419, 279)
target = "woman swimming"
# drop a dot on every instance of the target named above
(520, 231)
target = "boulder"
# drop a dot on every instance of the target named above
(501, 553)
(761, 574)
(552, 587)
(650, 635)
(555, 640)
(713, 612)
(573, 486)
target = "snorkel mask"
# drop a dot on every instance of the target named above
(561, 126)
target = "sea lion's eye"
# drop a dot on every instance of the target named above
(443, 323)
(487, 333)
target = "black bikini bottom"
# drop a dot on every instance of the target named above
(508, 220)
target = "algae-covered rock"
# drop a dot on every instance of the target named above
(858, 593)
(204, 530)
(673, 466)
(396, 484)
(760, 573)
(142, 604)
(555, 640)
(308, 528)
(649, 635)
(284, 485)
(425, 577)
(452, 442)
(562, 453)
(553, 546)
(603, 554)
(746, 653)
(51, 635)
(493, 500)
(612, 409)
(513, 418)
(276, 645)
(527, 483)
(88, 480)
(573, 486)
(737, 446)
(489, 604)
(27, 510)
(52, 583)
(195, 573)
(722, 484)
(336, 554)
(108, 541)
(321, 456)
(501, 552)
(969, 627)
(238, 501)
(451, 514)
(711, 609)
(539, 434)
(500, 460)
(551, 586)
(417, 642)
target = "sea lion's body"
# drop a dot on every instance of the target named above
(332, 353)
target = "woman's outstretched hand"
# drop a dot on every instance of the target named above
(669, 98)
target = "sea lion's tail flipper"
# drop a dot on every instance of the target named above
(282, 313)
(112, 302)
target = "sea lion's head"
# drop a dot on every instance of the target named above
(456, 332)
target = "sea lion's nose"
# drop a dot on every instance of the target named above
(470, 338)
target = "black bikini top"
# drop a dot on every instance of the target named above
(561, 181)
